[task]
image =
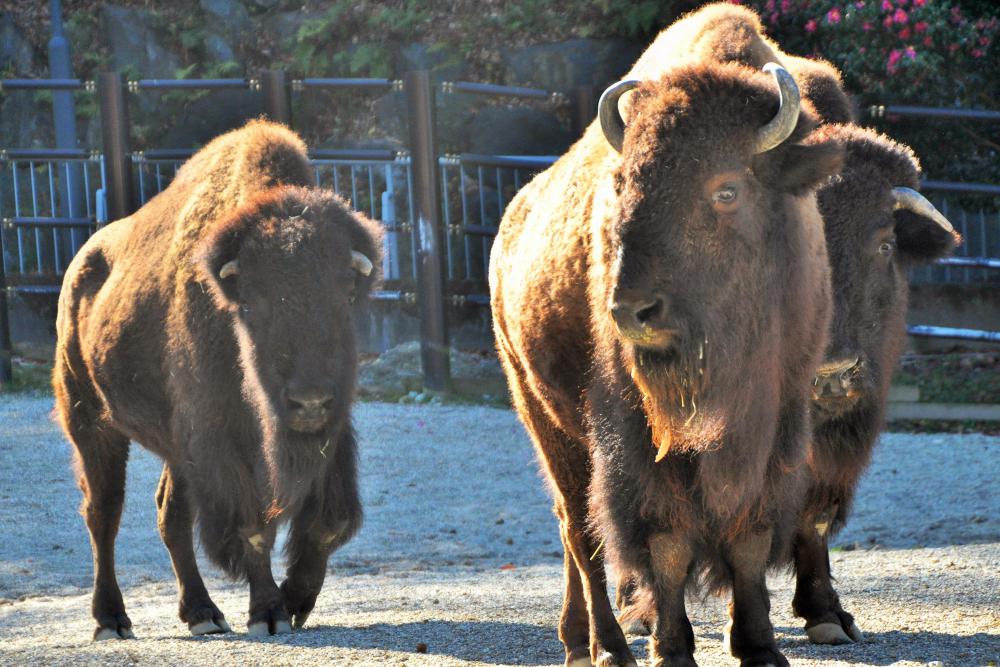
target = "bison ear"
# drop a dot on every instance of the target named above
(218, 262)
(921, 239)
(801, 167)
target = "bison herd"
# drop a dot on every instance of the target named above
(698, 309)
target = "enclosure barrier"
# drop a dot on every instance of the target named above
(449, 206)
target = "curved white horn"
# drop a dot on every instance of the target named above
(360, 263)
(230, 268)
(607, 110)
(912, 200)
(783, 124)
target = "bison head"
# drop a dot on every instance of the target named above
(711, 214)
(877, 228)
(287, 268)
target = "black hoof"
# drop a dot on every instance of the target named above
(298, 604)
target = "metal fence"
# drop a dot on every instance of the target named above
(440, 212)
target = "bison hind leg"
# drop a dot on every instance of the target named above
(101, 455)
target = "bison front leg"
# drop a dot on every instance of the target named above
(176, 522)
(670, 556)
(267, 608)
(751, 636)
(815, 598)
(330, 516)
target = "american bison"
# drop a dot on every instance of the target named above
(869, 306)
(661, 300)
(877, 228)
(214, 327)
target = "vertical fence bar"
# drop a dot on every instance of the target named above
(6, 351)
(430, 269)
(583, 108)
(117, 158)
(274, 86)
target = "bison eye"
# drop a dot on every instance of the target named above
(886, 247)
(724, 199)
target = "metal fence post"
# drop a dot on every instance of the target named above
(114, 132)
(6, 348)
(583, 109)
(430, 233)
(71, 191)
(274, 86)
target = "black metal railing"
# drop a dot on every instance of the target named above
(440, 212)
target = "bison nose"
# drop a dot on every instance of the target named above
(310, 401)
(641, 317)
(838, 379)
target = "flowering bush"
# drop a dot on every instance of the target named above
(919, 52)
(894, 51)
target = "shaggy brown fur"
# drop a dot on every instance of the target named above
(870, 307)
(240, 380)
(747, 302)
(871, 249)
(724, 32)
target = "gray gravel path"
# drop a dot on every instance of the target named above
(460, 552)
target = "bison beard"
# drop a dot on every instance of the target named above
(669, 384)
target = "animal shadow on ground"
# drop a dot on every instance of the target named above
(894, 646)
(516, 643)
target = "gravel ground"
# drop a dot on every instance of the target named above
(460, 553)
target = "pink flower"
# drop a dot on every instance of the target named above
(911, 53)
(811, 25)
(833, 16)
(887, 22)
(952, 48)
(900, 16)
(860, 4)
(866, 26)
(984, 41)
(887, 5)
(774, 18)
(919, 3)
(893, 62)
(769, 5)
(902, 3)
(921, 26)
(786, 6)
(977, 53)
(904, 34)
(928, 41)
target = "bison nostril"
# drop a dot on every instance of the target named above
(648, 312)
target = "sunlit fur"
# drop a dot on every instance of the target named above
(748, 294)
(155, 346)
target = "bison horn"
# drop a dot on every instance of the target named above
(230, 268)
(360, 263)
(912, 200)
(783, 124)
(607, 111)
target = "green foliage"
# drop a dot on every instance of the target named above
(329, 44)
(633, 19)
